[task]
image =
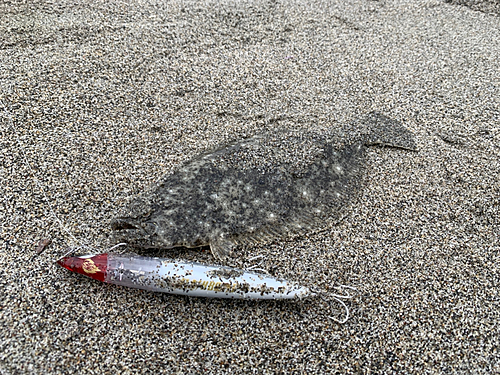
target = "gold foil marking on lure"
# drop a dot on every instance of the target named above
(89, 266)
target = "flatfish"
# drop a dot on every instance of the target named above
(258, 189)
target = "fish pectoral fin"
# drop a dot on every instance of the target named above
(222, 247)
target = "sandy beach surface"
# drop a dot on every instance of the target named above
(102, 98)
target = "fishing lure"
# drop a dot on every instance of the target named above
(192, 279)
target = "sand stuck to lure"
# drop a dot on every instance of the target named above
(192, 279)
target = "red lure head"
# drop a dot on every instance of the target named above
(93, 266)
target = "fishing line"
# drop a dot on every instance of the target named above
(73, 250)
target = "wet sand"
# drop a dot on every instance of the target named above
(103, 98)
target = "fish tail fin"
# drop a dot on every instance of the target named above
(384, 131)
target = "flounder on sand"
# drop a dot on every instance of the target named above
(258, 189)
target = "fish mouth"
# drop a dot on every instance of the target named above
(122, 224)
(127, 229)
(131, 233)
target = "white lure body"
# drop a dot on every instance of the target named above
(183, 278)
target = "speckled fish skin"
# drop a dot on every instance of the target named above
(255, 190)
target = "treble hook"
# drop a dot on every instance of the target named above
(339, 298)
(254, 267)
